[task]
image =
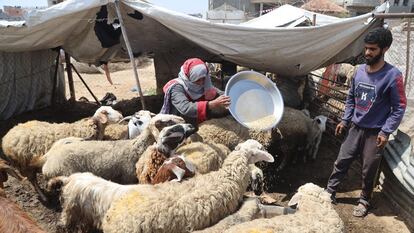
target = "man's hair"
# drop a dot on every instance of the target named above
(380, 36)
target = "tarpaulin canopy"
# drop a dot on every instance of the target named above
(286, 51)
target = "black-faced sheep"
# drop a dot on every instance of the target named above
(26, 143)
(112, 160)
(193, 204)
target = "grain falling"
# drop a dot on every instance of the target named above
(262, 123)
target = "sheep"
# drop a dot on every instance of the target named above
(209, 156)
(229, 132)
(191, 205)
(136, 124)
(113, 160)
(295, 133)
(12, 218)
(315, 213)
(206, 157)
(153, 158)
(26, 143)
(174, 168)
(250, 209)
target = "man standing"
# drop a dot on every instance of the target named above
(374, 109)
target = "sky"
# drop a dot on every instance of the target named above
(184, 6)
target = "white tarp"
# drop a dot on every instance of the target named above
(286, 16)
(286, 51)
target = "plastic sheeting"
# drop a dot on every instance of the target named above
(26, 81)
(286, 51)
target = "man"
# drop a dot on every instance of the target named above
(374, 108)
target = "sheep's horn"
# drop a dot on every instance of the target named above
(125, 118)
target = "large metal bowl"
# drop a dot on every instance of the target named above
(255, 100)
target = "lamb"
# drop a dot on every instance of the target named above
(136, 124)
(25, 144)
(112, 160)
(314, 214)
(174, 168)
(191, 205)
(12, 218)
(153, 158)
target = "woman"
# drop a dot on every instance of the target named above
(191, 95)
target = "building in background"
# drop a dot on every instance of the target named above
(400, 6)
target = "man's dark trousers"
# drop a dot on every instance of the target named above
(360, 142)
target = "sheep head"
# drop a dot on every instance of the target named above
(255, 151)
(320, 121)
(107, 115)
(160, 121)
(172, 136)
(174, 169)
(256, 179)
(311, 191)
(138, 122)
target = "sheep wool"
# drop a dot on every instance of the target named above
(229, 132)
(315, 214)
(112, 160)
(206, 157)
(183, 207)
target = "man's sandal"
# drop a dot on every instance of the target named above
(360, 210)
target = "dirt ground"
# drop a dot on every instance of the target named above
(383, 218)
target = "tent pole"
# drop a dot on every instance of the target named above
(55, 79)
(407, 62)
(131, 56)
(86, 85)
(70, 77)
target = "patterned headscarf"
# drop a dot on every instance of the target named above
(192, 70)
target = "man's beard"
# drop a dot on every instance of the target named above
(373, 60)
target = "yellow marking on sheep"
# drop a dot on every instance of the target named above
(258, 231)
(134, 198)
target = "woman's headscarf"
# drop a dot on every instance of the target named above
(192, 70)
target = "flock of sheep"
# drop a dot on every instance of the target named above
(159, 174)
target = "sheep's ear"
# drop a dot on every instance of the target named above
(178, 172)
(102, 117)
(295, 199)
(259, 155)
(152, 114)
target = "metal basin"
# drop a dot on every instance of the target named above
(255, 100)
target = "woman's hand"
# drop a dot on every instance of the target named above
(220, 102)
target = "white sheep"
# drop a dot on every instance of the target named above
(315, 213)
(136, 124)
(25, 144)
(191, 205)
(113, 160)
(206, 157)
(155, 155)
(295, 132)
(250, 209)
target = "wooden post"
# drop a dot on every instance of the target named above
(261, 9)
(407, 61)
(314, 20)
(53, 99)
(131, 56)
(70, 77)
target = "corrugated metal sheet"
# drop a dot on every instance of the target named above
(397, 175)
